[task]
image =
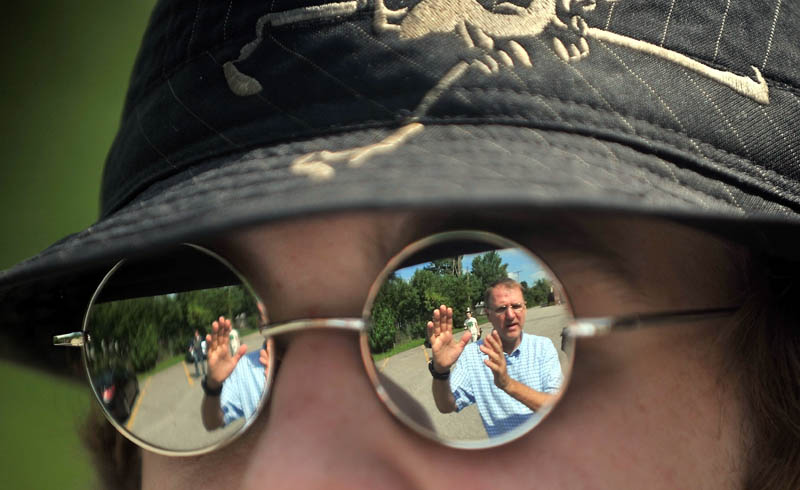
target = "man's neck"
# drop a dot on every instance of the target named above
(509, 348)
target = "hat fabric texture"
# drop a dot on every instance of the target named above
(245, 112)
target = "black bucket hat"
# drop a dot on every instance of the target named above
(246, 112)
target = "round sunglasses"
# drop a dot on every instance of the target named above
(467, 337)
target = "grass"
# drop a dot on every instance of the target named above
(39, 418)
(398, 349)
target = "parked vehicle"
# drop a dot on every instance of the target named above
(118, 391)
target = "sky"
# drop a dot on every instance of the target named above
(521, 266)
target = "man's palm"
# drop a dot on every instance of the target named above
(220, 361)
(446, 348)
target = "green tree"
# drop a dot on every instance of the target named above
(199, 317)
(171, 318)
(474, 286)
(434, 290)
(382, 329)
(402, 308)
(488, 268)
(538, 294)
(124, 335)
(407, 306)
(144, 348)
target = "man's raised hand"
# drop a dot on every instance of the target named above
(220, 360)
(444, 345)
(496, 361)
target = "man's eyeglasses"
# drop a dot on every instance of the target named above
(180, 355)
(499, 310)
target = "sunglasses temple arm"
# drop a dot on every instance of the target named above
(74, 339)
(592, 327)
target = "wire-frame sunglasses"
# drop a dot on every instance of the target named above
(467, 337)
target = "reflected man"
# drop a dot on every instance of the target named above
(509, 375)
(235, 381)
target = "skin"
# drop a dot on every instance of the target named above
(643, 409)
(507, 324)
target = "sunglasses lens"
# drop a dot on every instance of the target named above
(153, 334)
(490, 336)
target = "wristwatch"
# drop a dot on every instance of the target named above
(208, 391)
(436, 374)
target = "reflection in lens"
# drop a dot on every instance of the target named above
(151, 345)
(500, 340)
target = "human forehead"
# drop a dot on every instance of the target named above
(503, 294)
(648, 258)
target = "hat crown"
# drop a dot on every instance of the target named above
(712, 87)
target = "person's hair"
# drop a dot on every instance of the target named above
(505, 282)
(763, 362)
(117, 461)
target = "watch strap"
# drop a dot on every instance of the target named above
(208, 391)
(436, 374)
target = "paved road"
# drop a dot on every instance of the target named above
(167, 410)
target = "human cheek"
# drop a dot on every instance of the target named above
(325, 428)
(639, 410)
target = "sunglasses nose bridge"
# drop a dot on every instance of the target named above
(322, 386)
(294, 326)
(507, 314)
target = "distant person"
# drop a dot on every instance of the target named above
(234, 340)
(471, 324)
(196, 351)
(235, 381)
(509, 375)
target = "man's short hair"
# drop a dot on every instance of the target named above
(506, 282)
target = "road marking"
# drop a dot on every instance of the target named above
(188, 377)
(427, 359)
(383, 366)
(135, 410)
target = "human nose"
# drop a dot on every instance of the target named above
(325, 426)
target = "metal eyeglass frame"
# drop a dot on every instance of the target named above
(576, 328)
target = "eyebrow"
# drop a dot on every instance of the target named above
(561, 234)
(582, 247)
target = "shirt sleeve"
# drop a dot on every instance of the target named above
(241, 392)
(230, 400)
(553, 376)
